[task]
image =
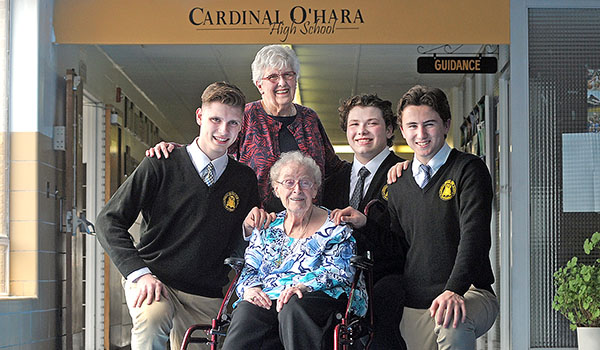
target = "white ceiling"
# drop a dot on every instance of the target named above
(174, 76)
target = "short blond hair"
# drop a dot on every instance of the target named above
(225, 93)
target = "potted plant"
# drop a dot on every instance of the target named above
(578, 295)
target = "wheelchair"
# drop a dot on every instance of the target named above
(349, 334)
(346, 334)
(352, 328)
(212, 332)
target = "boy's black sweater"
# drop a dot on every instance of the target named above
(375, 236)
(187, 229)
(444, 229)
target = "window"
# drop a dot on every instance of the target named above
(4, 247)
(563, 52)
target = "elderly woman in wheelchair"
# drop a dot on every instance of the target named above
(297, 275)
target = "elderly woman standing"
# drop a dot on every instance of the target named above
(274, 124)
(297, 274)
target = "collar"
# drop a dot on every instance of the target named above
(372, 165)
(435, 163)
(201, 160)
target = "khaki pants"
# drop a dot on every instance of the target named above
(167, 319)
(421, 333)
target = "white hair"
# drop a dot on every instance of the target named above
(274, 56)
(298, 158)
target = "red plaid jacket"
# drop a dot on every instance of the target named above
(258, 143)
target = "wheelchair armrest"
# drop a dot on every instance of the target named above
(361, 262)
(235, 263)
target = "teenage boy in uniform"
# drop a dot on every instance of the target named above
(441, 211)
(193, 205)
(369, 124)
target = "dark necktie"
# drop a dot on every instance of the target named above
(208, 174)
(357, 195)
(427, 170)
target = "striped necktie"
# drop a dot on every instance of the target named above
(208, 174)
(427, 170)
(357, 195)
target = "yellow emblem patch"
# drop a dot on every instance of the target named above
(384, 192)
(447, 190)
(231, 201)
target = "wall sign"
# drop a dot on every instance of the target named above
(465, 64)
(270, 22)
(300, 20)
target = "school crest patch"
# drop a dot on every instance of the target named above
(447, 190)
(231, 201)
(384, 192)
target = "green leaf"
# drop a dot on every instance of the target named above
(596, 237)
(587, 246)
(578, 287)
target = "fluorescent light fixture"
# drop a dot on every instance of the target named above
(348, 149)
(402, 149)
(297, 98)
(297, 95)
(342, 149)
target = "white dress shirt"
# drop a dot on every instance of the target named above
(434, 163)
(201, 160)
(372, 166)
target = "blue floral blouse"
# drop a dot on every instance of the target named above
(275, 261)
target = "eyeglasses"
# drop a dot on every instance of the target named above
(289, 183)
(274, 78)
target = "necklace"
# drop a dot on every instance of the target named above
(305, 226)
(283, 254)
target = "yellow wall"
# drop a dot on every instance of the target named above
(35, 282)
(308, 22)
(24, 216)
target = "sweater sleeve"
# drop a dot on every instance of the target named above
(333, 163)
(397, 234)
(121, 211)
(240, 242)
(475, 208)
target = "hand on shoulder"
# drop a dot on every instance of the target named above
(162, 149)
(396, 171)
(350, 216)
(257, 218)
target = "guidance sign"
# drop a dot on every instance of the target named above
(473, 64)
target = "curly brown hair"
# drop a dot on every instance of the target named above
(368, 100)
